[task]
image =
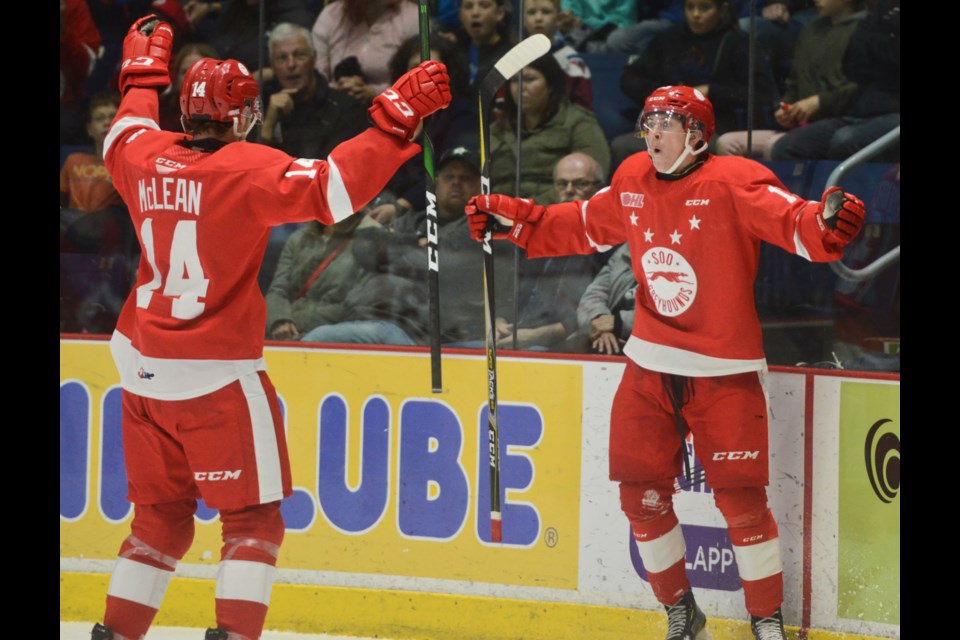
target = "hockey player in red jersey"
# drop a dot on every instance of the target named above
(694, 223)
(200, 416)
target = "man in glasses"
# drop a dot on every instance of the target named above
(577, 177)
(694, 223)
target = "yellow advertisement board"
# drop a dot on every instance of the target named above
(869, 491)
(390, 479)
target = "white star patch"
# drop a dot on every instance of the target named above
(648, 235)
(694, 222)
(633, 219)
(675, 237)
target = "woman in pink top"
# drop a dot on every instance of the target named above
(371, 31)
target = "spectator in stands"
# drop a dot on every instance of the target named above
(486, 36)
(818, 92)
(550, 288)
(396, 257)
(655, 16)
(551, 128)
(85, 184)
(355, 40)
(541, 16)
(577, 177)
(304, 116)
(314, 275)
(79, 44)
(606, 308)
(872, 60)
(232, 27)
(707, 52)
(588, 23)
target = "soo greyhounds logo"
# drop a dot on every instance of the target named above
(881, 454)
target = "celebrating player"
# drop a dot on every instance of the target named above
(694, 223)
(200, 416)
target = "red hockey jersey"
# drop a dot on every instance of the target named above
(195, 319)
(695, 245)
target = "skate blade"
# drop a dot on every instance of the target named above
(703, 635)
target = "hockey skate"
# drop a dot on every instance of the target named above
(100, 632)
(685, 620)
(222, 634)
(769, 628)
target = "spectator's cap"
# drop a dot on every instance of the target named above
(463, 154)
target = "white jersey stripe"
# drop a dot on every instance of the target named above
(798, 245)
(265, 447)
(583, 214)
(245, 580)
(758, 561)
(138, 582)
(337, 197)
(664, 552)
(122, 125)
(658, 357)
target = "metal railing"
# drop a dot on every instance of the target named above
(865, 154)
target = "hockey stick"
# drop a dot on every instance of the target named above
(518, 57)
(433, 238)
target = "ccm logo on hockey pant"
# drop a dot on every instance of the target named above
(736, 455)
(696, 203)
(217, 475)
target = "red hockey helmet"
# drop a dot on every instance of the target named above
(695, 110)
(219, 90)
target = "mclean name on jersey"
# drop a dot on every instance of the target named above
(170, 194)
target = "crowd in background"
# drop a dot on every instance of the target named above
(825, 83)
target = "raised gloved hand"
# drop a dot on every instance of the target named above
(843, 213)
(418, 93)
(146, 55)
(522, 212)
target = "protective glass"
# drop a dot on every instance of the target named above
(580, 184)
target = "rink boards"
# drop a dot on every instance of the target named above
(388, 528)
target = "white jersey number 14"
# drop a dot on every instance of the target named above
(184, 282)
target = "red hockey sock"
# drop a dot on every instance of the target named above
(251, 543)
(160, 535)
(659, 537)
(756, 545)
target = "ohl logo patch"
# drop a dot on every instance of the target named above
(671, 280)
(628, 199)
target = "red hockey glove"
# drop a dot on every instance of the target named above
(843, 213)
(523, 212)
(418, 93)
(146, 55)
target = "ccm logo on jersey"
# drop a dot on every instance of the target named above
(165, 166)
(736, 455)
(628, 199)
(217, 475)
(696, 203)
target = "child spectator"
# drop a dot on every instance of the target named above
(483, 22)
(85, 184)
(542, 16)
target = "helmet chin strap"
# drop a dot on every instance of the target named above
(687, 151)
(242, 136)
